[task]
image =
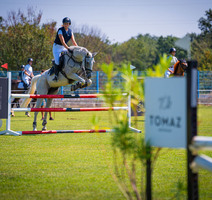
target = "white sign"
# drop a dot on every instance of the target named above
(132, 67)
(184, 42)
(165, 116)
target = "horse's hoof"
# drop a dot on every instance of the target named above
(34, 129)
(44, 129)
(28, 115)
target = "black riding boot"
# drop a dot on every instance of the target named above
(56, 72)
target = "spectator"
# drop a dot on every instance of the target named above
(42, 113)
(28, 73)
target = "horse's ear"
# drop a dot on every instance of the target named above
(94, 54)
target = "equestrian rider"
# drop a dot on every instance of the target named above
(28, 73)
(64, 34)
(170, 70)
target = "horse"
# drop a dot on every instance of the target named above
(180, 67)
(72, 71)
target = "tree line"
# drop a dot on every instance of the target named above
(23, 36)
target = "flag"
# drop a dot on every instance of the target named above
(5, 66)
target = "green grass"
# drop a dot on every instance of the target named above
(78, 166)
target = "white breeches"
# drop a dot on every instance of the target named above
(57, 49)
(26, 80)
(167, 74)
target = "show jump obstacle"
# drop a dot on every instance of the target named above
(5, 91)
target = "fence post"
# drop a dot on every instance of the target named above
(192, 178)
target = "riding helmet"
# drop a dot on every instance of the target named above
(172, 49)
(22, 66)
(29, 59)
(67, 20)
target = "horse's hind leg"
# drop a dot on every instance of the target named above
(38, 105)
(48, 105)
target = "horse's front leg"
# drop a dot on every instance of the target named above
(48, 104)
(87, 83)
(38, 105)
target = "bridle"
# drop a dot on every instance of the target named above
(85, 62)
(183, 66)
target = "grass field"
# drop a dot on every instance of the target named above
(79, 166)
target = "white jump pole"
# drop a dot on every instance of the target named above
(8, 120)
(201, 162)
(129, 115)
(201, 143)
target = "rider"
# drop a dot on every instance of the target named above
(64, 34)
(170, 70)
(28, 73)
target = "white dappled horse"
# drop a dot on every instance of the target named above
(72, 71)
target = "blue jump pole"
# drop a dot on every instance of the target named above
(97, 82)
(61, 92)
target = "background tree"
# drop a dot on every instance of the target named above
(165, 43)
(22, 37)
(93, 39)
(202, 44)
(140, 51)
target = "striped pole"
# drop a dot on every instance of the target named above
(67, 109)
(42, 96)
(39, 96)
(64, 131)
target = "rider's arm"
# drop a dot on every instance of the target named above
(25, 72)
(63, 41)
(30, 75)
(73, 40)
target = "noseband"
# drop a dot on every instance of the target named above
(88, 70)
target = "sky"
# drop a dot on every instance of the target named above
(120, 20)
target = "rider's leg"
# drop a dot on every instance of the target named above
(57, 49)
(167, 74)
(56, 71)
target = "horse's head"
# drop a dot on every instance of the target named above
(183, 64)
(89, 60)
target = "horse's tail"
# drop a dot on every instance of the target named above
(32, 89)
